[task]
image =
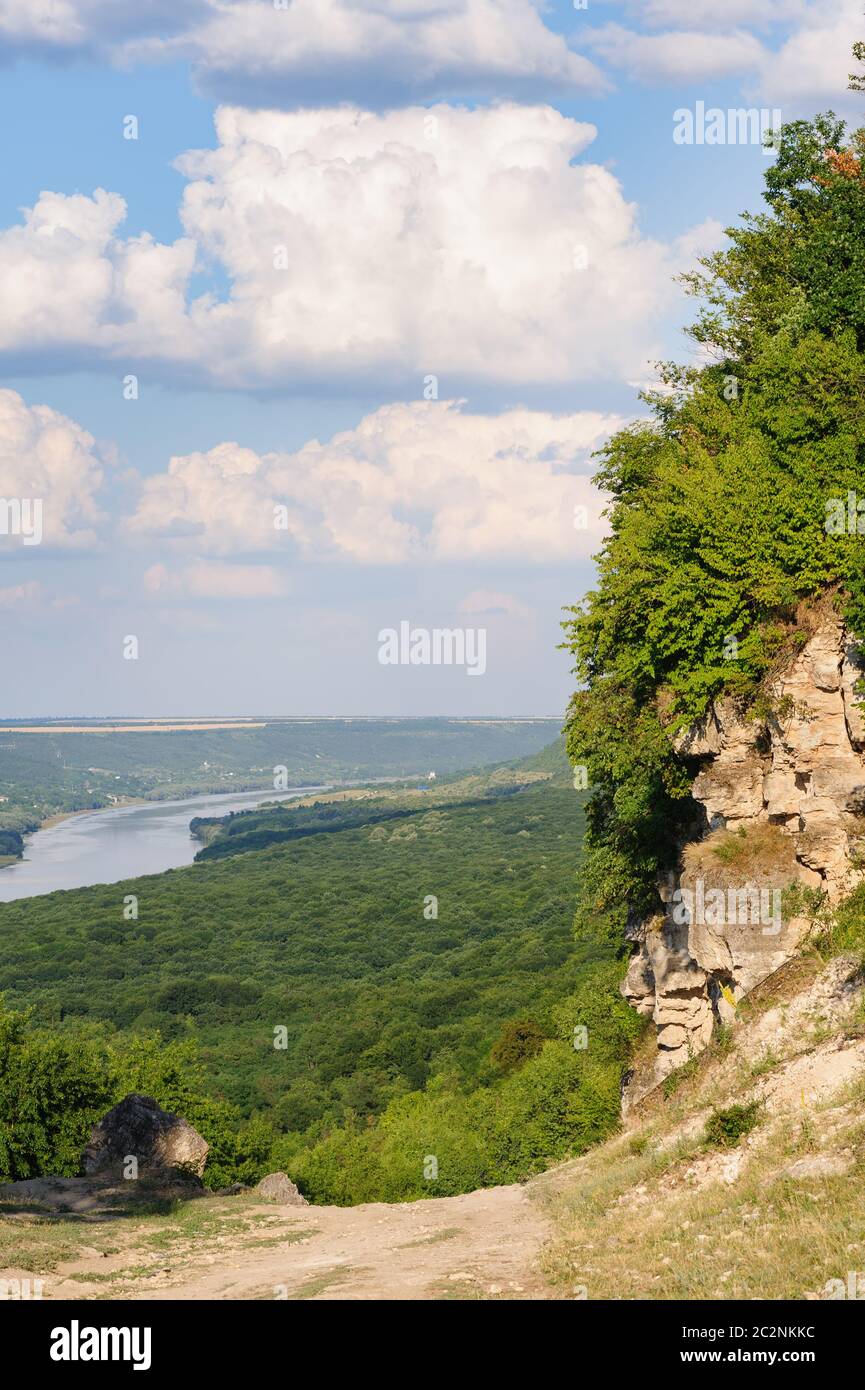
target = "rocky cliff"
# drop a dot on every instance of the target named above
(783, 804)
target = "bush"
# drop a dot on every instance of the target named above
(54, 1089)
(520, 1039)
(725, 1128)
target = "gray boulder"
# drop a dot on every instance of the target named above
(139, 1128)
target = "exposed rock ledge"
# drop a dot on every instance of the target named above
(795, 786)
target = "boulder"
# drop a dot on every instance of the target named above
(278, 1187)
(139, 1128)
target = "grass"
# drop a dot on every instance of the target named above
(755, 851)
(41, 1241)
(657, 1213)
(462, 1291)
(321, 1283)
(771, 1238)
(436, 1239)
(765, 1063)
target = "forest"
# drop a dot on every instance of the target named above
(400, 984)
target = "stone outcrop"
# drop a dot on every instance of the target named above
(140, 1129)
(784, 805)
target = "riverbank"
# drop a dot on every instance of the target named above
(60, 816)
(133, 838)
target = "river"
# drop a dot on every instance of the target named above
(120, 843)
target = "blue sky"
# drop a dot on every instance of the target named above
(387, 193)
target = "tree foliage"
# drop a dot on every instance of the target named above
(720, 504)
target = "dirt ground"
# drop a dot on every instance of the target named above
(480, 1246)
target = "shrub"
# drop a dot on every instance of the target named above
(725, 1128)
(520, 1039)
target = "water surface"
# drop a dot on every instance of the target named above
(122, 842)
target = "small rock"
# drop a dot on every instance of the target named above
(278, 1187)
(818, 1166)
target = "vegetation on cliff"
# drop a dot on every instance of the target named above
(741, 497)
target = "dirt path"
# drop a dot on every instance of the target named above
(480, 1246)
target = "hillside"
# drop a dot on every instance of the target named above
(45, 772)
(401, 982)
(740, 1180)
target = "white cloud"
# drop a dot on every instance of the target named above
(681, 55)
(439, 242)
(206, 579)
(64, 28)
(46, 457)
(795, 54)
(67, 281)
(359, 248)
(385, 53)
(423, 481)
(307, 51)
(809, 71)
(709, 14)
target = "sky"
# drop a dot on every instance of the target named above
(313, 313)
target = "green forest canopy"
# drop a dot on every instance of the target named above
(406, 1033)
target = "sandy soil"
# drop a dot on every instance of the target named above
(483, 1245)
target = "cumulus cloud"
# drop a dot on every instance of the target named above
(307, 51)
(384, 53)
(66, 280)
(708, 14)
(795, 54)
(809, 70)
(48, 459)
(680, 55)
(446, 240)
(410, 482)
(358, 248)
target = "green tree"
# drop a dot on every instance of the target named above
(720, 509)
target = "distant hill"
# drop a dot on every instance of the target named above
(42, 773)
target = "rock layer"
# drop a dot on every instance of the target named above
(784, 804)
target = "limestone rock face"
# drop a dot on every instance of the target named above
(139, 1128)
(784, 803)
